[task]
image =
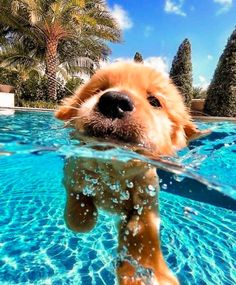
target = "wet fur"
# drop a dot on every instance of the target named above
(161, 131)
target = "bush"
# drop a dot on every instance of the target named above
(32, 92)
(138, 57)
(32, 89)
(37, 104)
(69, 88)
(199, 93)
(8, 77)
(221, 94)
(181, 71)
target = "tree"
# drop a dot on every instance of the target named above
(221, 94)
(16, 57)
(199, 93)
(64, 31)
(181, 71)
(138, 57)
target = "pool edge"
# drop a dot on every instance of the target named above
(202, 118)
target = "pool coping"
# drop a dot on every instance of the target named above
(27, 109)
(195, 117)
(212, 118)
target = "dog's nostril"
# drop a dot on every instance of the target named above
(113, 104)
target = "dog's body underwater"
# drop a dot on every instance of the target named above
(134, 104)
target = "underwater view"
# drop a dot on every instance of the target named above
(197, 207)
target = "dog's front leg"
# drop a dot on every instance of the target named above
(141, 259)
(80, 212)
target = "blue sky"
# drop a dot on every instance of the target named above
(157, 27)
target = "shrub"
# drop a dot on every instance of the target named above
(199, 93)
(69, 88)
(221, 94)
(181, 71)
(138, 57)
(32, 89)
(35, 89)
(37, 104)
(8, 77)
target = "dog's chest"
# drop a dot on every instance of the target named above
(114, 186)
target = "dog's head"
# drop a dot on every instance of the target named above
(132, 103)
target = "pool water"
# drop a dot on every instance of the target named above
(37, 248)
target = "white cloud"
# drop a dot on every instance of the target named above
(122, 17)
(157, 62)
(174, 7)
(209, 57)
(203, 83)
(148, 31)
(225, 5)
(224, 2)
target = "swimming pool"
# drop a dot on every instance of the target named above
(37, 248)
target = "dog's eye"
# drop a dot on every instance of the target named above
(154, 102)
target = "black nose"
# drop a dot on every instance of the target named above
(113, 104)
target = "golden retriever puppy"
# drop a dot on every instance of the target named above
(134, 104)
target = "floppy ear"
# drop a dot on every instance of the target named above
(192, 132)
(68, 110)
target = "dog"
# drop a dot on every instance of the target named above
(132, 104)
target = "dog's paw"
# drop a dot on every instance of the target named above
(167, 279)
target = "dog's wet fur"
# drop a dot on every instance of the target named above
(130, 103)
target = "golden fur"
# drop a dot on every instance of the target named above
(161, 129)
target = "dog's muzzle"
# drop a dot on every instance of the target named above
(115, 105)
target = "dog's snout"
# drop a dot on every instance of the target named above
(113, 104)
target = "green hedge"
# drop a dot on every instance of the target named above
(33, 91)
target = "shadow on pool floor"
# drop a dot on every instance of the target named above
(195, 190)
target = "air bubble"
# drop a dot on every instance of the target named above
(87, 191)
(129, 184)
(140, 210)
(151, 188)
(124, 195)
(178, 178)
(136, 230)
(151, 191)
(94, 181)
(136, 207)
(123, 217)
(115, 187)
(114, 200)
(164, 186)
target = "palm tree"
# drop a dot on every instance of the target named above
(21, 56)
(15, 59)
(61, 29)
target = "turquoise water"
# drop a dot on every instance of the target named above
(37, 248)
